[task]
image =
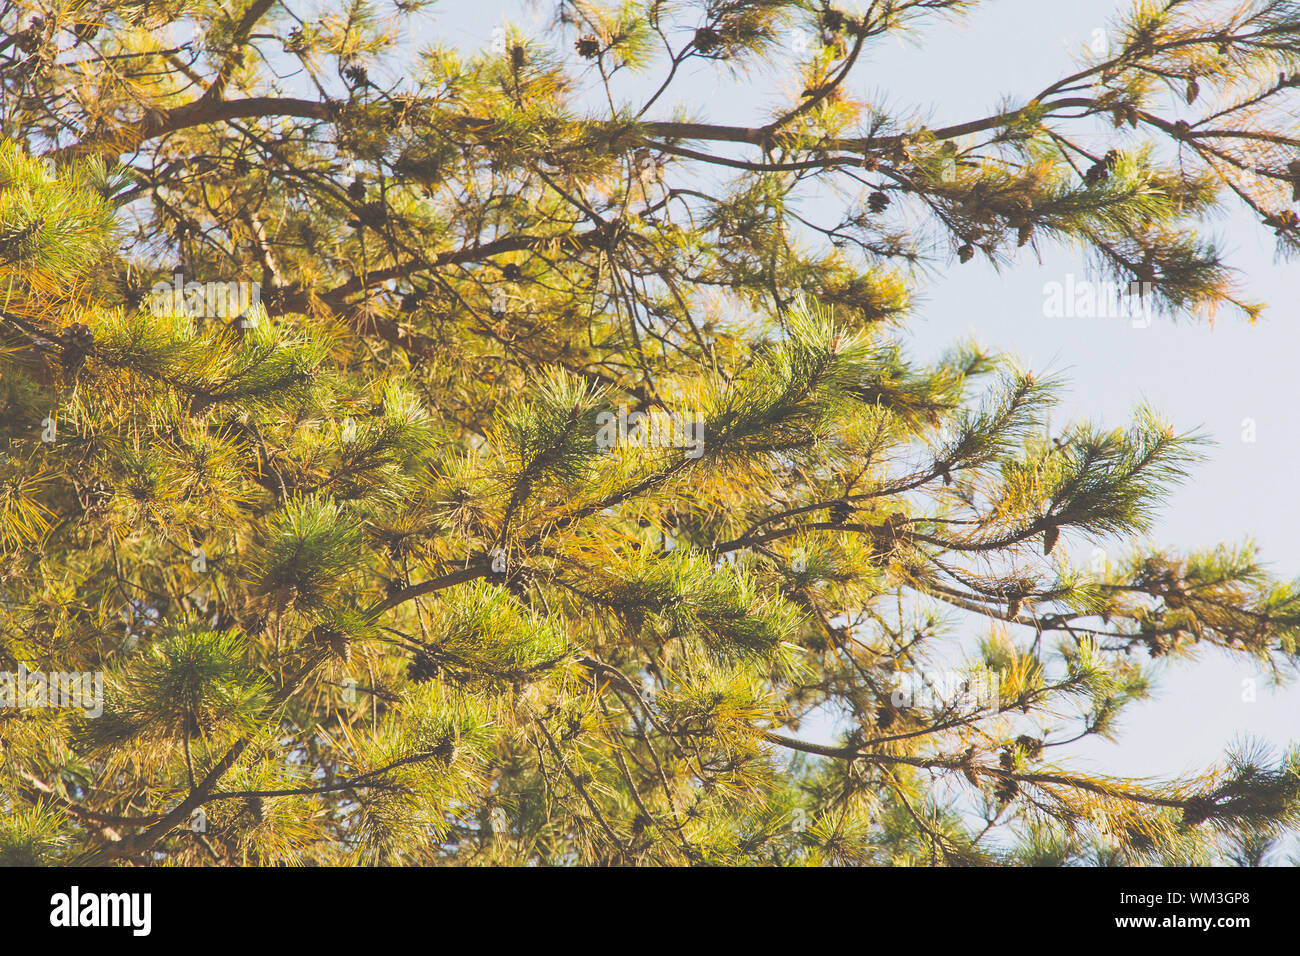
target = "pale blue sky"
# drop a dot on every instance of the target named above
(1199, 377)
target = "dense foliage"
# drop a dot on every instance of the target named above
(379, 566)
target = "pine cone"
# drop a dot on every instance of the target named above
(1100, 171)
(967, 765)
(588, 47)
(966, 253)
(13, 241)
(30, 39)
(97, 494)
(517, 585)
(1293, 170)
(1282, 222)
(78, 342)
(372, 214)
(707, 39)
(572, 729)
(422, 668)
(832, 20)
(840, 512)
(1197, 810)
(340, 644)
(886, 537)
(878, 202)
(446, 750)
(85, 31)
(896, 525)
(1032, 746)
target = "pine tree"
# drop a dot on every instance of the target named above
(379, 566)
